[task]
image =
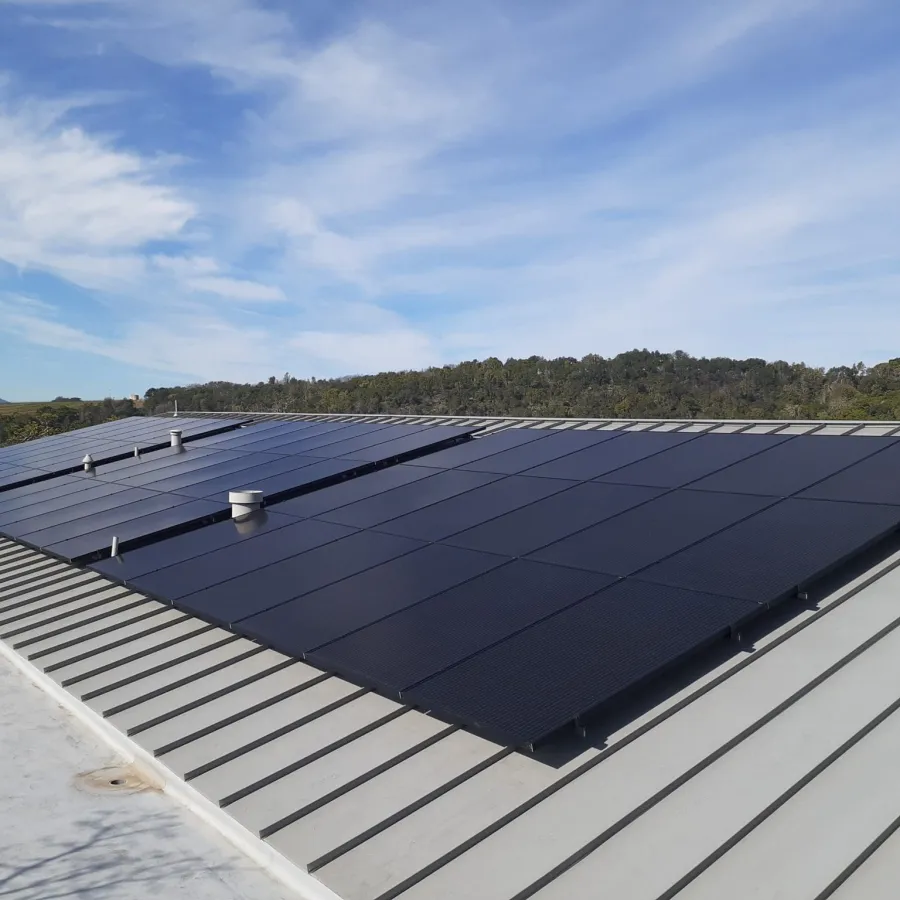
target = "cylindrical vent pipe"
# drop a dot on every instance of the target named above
(175, 435)
(244, 502)
(114, 550)
(137, 453)
(88, 462)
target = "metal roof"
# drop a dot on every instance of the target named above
(766, 771)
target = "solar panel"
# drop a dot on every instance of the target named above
(589, 654)
(402, 500)
(557, 444)
(523, 531)
(488, 445)
(642, 536)
(237, 560)
(792, 466)
(874, 480)
(433, 635)
(593, 462)
(156, 523)
(266, 588)
(347, 492)
(688, 462)
(772, 554)
(440, 520)
(352, 603)
(63, 453)
(191, 544)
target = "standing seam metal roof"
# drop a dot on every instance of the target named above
(769, 773)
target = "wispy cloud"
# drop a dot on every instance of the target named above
(360, 191)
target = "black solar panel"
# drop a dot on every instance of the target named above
(558, 444)
(593, 462)
(641, 536)
(355, 602)
(874, 480)
(488, 445)
(537, 681)
(191, 544)
(433, 635)
(525, 530)
(237, 560)
(685, 463)
(771, 554)
(273, 585)
(402, 500)
(440, 520)
(792, 466)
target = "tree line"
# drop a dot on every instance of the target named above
(37, 421)
(637, 384)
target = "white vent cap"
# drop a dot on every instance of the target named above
(244, 502)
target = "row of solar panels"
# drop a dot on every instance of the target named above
(76, 514)
(515, 582)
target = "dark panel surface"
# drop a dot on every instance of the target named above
(526, 530)
(79, 512)
(644, 535)
(412, 443)
(696, 459)
(236, 560)
(479, 448)
(543, 678)
(557, 444)
(769, 555)
(465, 510)
(405, 648)
(874, 480)
(78, 548)
(625, 449)
(793, 466)
(99, 520)
(191, 544)
(219, 486)
(247, 465)
(350, 604)
(307, 477)
(350, 491)
(266, 588)
(76, 496)
(402, 500)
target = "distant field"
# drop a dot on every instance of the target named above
(9, 409)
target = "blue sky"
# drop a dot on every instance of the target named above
(229, 189)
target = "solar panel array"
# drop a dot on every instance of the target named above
(61, 453)
(76, 516)
(516, 582)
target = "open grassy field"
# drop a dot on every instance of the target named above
(9, 409)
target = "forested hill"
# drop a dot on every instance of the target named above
(635, 384)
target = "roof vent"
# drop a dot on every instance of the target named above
(88, 462)
(175, 435)
(243, 503)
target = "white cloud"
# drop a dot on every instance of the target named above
(73, 204)
(237, 289)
